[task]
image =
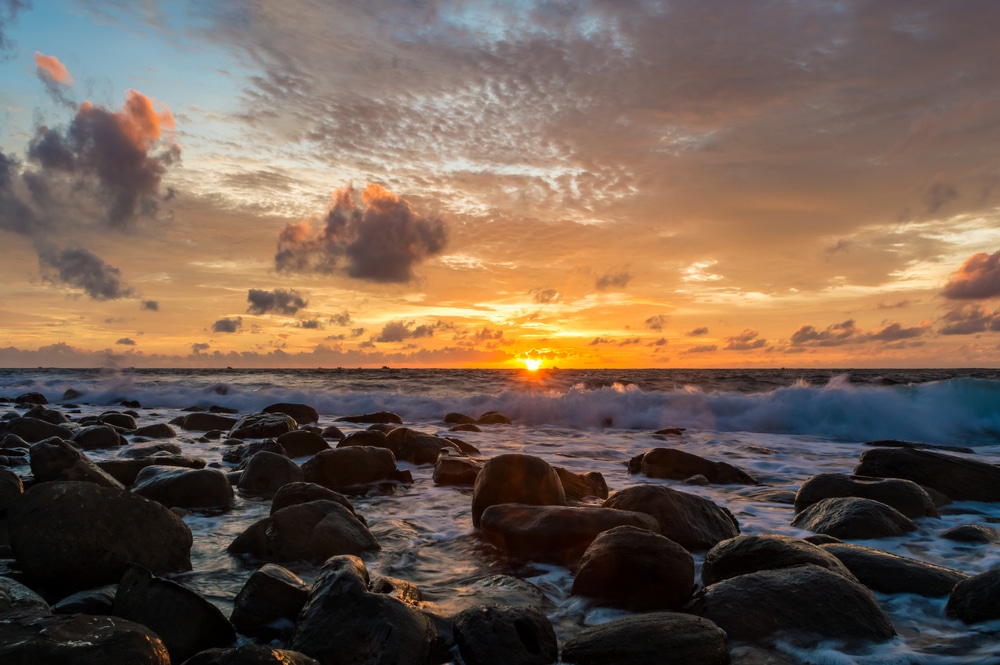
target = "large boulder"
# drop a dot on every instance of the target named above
(351, 467)
(417, 447)
(580, 486)
(34, 430)
(905, 496)
(250, 654)
(150, 449)
(77, 535)
(976, 599)
(48, 415)
(97, 437)
(269, 602)
(461, 471)
(302, 413)
(656, 637)
(119, 420)
(79, 639)
(265, 473)
(379, 417)
(979, 534)
(504, 635)
(201, 421)
(295, 493)
(516, 478)
(853, 518)
(636, 569)
(313, 531)
(555, 534)
(15, 597)
(55, 459)
(891, 573)
(802, 603)
(89, 601)
(749, 554)
(958, 478)
(263, 426)
(302, 443)
(185, 488)
(11, 489)
(156, 431)
(674, 464)
(126, 471)
(689, 520)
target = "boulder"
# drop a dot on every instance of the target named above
(149, 449)
(460, 471)
(313, 531)
(263, 426)
(377, 417)
(301, 413)
(79, 639)
(689, 520)
(185, 488)
(332, 432)
(48, 415)
(504, 590)
(89, 601)
(269, 602)
(266, 472)
(417, 447)
(31, 398)
(504, 635)
(97, 437)
(459, 418)
(853, 518)
(250, 654)
(366, 437)
(126, 471)
(11, 489)
(119, 420)
(635, 569)
(239, 453)
(977, 598)
(891, 573)
(580, 486)
(552, 534)
(204, 422)
(342, 623)
(466, 427)
(958, 478)
(656, 637)
(674, 464)
(800, 604)
(749, 554)
(186, 622)
(516, 478)
(55, 459)
(345, 468)
(75, 535)
(493, 418)
(34, 430)
(905, 496)
(302, 443)
(963, 533)
(156, 431)
(295, 493)
(15, 597)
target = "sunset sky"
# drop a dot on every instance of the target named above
(433, 183)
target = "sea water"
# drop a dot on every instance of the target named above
(781, 426)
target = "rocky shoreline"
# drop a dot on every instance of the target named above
(91, 545)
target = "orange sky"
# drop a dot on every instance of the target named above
(592, 184)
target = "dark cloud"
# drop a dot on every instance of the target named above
(656, 322)
(900, 304)
(198, 347)
(381, 240)
(8, 13)
(616, 279)
(660, 342)
(125, 341)
(705, 348)
(597, 341)
(969, 320)
(895, 332)
(833, 335)
(938, 196)
(698, 332)
(397, 331)
(544, 296)
(311, 324)
(630, 342)
(279, 301)
(78, 268)
(342, 319)
(228, 325)
(357, 332)
(747, 340)
(150, 305)
(487, 334)
(978, 278)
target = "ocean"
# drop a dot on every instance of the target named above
(780, 425)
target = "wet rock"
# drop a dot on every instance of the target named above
(801, 604)
(33, 639)
(459, 418)
(503, 635)
(250, 654)
(580, 486)
(263, 426)
(964, 533)
(377, 417)
(351, 467)
(15, 597)
(890, 573)
(506, 590)
(493, 418)
(905, 496)
(119, 420)
(636, 569)
(148, 449)
(266, 472)
(344, 623)
(332, 432)
(976, 599)
(204, 422)
(156, 431)
(552, 534)
(301, 413)
(656, 637)
(958, 478)
(75, 535)
(417, 447)
(693, 522)
(185, 488)
(239, 453)
(853, 518)
(295, 493)
(516, 478)
(97, 437)
(269, 602)
(466, 427)
(33, 430)
(676, 464)
(313, 531)
(11, 489)
(31, 398)
(186, 622)
(302, 443)
(460, 471)
(88, 601)
(126, 471)
(749, 554)
(55, 459)
(366, 437)
(48, 415)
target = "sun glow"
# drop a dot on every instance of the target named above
(532, 363)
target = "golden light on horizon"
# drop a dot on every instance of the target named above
(532, 364)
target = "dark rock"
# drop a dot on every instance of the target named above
(552, 534)
(464, 447)
(156, 431)
(79, 536)
(507, 590)
(670, 431)
(456, 471)
(516, 478)
(269, 602)
(302, 443)
(853, 518)
(656, 637)
(263, 426)
(332, 432)
(345, 468)
(239, 453)
(693, 522)
(677, 465)
(636, 569)
(579, 486)
(503, 635)
(343, 623)
(977, 598)
(71, 394)
(266, 472)
(905, 496)
(33, 430)
(120, 420)
(964, 533)
(466, 427)
(893, 443)
(890, 573)
(417, 447)
(459, 418)
(15, 597)
(31, 398)
(749, 554)
(250, 654)
(385, 428)
(803, 603)
(184, 488)
(366, 437)
(301, 413)
(312, 531)
(11, 489)
(88, 601)
(55, 459)
(186, 622)
(958, 478)
(48, 415)
(377, 417)
(97, 437)
(126, 471)
(295, 493)
(493, 418)
(148, 449)
(80, 639)
(204, 422)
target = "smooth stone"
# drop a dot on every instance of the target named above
(516, 478)
(459, 418)
(689, 520)
(891, 573)
(963, 533)
(674, 464)
(976, 599)
(301, 492)
(504, 635)
(79, 639)
(126, 471)
(120, 420)
(48, 415)
(15, 597)
(185, 488)
(156, 431)
(302, 443)
(239, 452)
(332, 432)
(366, 437)
(959, 478)
(265, 473)
(301, 413)
(456, 471)
(148, 449)
(417, 447)
(89, 601)
(97, 437)
(250, 654)
(351, 467)
(11, 489)
(269, 602)
(853, 518)
(263, 426)
(56, 459)
(749, 554)
(204, 422)
(580, 486)
(380, 417)
(34, 430)
(655, 637)
(905, 496)
(493, 418)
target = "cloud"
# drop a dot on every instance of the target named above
(705, 348)
(597, 341)
(938, 195)
(397, 331)
(969, 320)
(311, 324)
(125, 341)
(656, 322)
(660, 342)
(357, 332)
(900, 304)
(617, 279)
(847, 332)
(228, 325)
(278, 301)
(55, 76)
(544, 296)
(8, 13)
(747, 340)
(698, 332)
(150, 305)
(381, 240)
(978, 278)
(79, 268)
(895, 332)
(199, 347)
(342, 319)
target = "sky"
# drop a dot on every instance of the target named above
(434, 183)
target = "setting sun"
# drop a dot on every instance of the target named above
(532, 363)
